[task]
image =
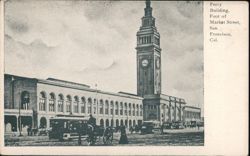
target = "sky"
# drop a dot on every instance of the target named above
(93, 42)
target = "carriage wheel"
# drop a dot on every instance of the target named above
(108, 139)
(91, 141)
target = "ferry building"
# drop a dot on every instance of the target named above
(38, 100)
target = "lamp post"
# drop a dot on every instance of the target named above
(96, 101)
(127, 122)
(20, 124)
(112, 123)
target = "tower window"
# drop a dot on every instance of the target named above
(144, 40)
(145, 22)
(148, 39)
(157, 41)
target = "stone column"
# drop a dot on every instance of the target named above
(48, 122)
(56, 105)
(46, 104)
(164, 113)
(175, 111)
(97, 107)
(167, 115)
(108, 109)
(17, 123)
(180, 112)
(118, 108)
(71, 106)
(79, 107)
(64, 106)
(170, 111)
(92, 102)
(86, 108)
(38, 121)
(104, 108)
(157, 112)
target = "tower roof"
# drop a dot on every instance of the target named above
(148, 9)
(148, 3)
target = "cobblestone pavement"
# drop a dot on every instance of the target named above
(187, 137)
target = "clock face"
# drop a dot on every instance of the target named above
(144, 63)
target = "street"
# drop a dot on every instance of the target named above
(185, 137)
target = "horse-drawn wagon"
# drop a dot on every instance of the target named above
(69, 128)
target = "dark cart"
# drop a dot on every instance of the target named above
(68, 128)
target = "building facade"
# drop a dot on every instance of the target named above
(191, 113)
(157, 106)
(37, 100)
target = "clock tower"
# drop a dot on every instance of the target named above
(148, 56)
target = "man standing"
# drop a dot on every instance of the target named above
(80, 129)
(92, 121)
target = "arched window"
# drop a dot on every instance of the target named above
(134, 123)
(83, 104)
(89, 105)
(178, 113)
(121, 108)
(25, 100)
(43, 122)
(126, 109)
(172, 111)
(76, 104)
(133, 109)
(137, 110)
(112, 108)
(129, 109)
(101, 122)
(60, 103)
(94, 106)
(130, 123)
(107, 122)
(106, 107)
(117, 123)
(112, 123)
(101, 106)
(121, 123)
(116, 108)
(68, 103)
(52, 102)
(42, 101)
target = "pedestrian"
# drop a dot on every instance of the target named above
(123, 138)
(92, 125)
(79, 130)
(162, 129)
(28, 130)
(92, 121)
(131, 129)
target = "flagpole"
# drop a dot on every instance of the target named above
(96, 103)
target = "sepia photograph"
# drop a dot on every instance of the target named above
(103, 73)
